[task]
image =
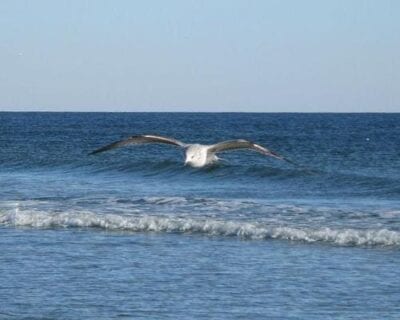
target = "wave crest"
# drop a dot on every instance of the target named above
(206, 226)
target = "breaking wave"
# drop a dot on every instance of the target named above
(205, 226)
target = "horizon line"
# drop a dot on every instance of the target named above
(153, 111)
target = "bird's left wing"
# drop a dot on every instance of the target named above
(244, 144)
(140, 140)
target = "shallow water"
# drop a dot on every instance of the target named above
(134, 233)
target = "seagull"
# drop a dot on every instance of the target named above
(197, 155)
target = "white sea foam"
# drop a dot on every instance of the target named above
(211, 227)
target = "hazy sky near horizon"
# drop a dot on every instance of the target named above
(192, 55)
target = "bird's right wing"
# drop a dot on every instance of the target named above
(244, 144)
(140, 140)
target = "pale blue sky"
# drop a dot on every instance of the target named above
(218, 55)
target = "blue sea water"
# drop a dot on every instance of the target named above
(133, 233)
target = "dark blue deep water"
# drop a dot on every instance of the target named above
(133, 233)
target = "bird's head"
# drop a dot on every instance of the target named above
(192, 157)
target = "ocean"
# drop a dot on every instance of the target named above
(133, 233)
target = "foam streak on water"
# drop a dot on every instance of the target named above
(211, 227)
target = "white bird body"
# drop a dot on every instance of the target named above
(197, 155)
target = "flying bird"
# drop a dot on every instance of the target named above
(197, 155)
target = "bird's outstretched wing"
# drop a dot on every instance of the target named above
(244, 144)
(140, 140)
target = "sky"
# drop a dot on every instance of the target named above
(193, 55)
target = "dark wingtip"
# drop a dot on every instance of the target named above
(290, 161)
(98, 150)
(275, 155)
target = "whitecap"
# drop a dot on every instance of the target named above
(200, 225)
